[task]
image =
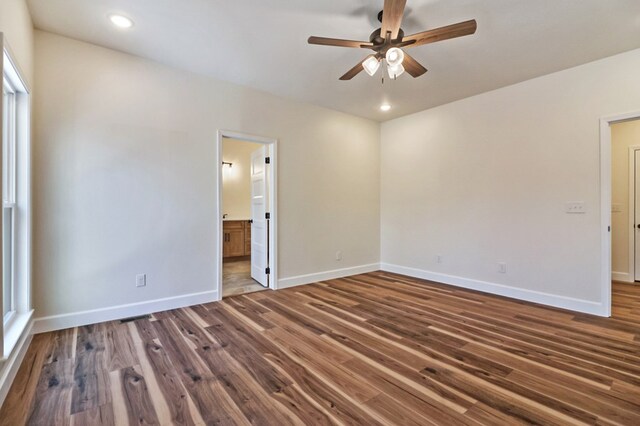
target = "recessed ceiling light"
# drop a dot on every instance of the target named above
(121, 21)
(385, 107)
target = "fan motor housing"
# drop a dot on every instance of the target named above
(377, 39)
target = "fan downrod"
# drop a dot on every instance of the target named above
(377, 38)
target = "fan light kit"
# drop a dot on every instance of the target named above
(388, 41)
(394, 57)
(371, 65)
(385, 107)
(395, 71)
(394, 60)
(121, 21)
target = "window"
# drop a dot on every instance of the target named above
(9, 125)
(16, 213)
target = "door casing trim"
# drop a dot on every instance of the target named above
(272, 144)
(605, 204)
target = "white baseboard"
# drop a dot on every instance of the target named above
(326, 275)
(622, 276)
(75, 319)
(9, 368)
(572, 304)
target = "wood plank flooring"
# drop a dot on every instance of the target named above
(373, 349)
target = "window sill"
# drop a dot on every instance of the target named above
(14, 331)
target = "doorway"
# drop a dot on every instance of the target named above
(625, 201)
(246, 214)
(619, 227)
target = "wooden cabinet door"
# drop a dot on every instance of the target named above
(233, 244)
(233, 238)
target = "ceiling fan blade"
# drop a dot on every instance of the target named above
(443, 33)
(392, 17)
(353, 72)
(324, 41)
(413, 67)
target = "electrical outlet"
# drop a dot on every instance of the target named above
(338, 255)
(438, 258)
(141, 280)
(502, 268)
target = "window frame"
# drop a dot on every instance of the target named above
(9, 156)
(9, 135)
(13, 327)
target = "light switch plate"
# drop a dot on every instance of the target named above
(575, 207)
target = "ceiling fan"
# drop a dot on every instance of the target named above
(388, 41)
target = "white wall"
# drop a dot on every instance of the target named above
(125, 181)
(485, 180)
(623, 135)
(236, 180)
(125, 178)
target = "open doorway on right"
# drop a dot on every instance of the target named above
(625, 220)
(245, 218)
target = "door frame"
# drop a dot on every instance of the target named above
(632, 213)
(605, 204)
(272, 143)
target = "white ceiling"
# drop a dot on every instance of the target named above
(263, 43)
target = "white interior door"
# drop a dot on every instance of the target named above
(259, 224)
(637, 216)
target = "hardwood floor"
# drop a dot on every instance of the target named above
(236, 278)
(626, 302)
(372, 349)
